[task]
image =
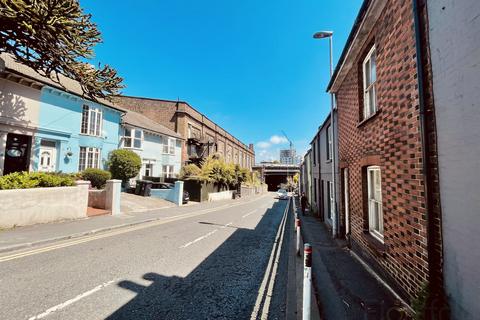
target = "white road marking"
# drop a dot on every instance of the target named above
(71, 301)
(268, 298)
(270, 272)
(198, 239)
(251, 212)
(204, 236)
(71, 242)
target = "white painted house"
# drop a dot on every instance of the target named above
(159, 147)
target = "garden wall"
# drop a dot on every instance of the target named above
(199, 191)
(21, 207)
(173, 195)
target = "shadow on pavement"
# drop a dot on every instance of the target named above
(224, 286)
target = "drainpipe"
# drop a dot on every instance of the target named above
(437, 297)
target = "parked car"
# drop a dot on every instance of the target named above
(166, 185)
(282, 194)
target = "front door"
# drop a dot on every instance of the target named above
(48, 156)
(17, 153)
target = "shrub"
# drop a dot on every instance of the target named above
(215, 170)
(190, 170)
(124, 164)
(97, 177)
(27, 180)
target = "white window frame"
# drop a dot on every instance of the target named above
(329, 143)
(331, 199)
(168, 145)
(167, 171)
(372, 86)
(85, 155)
(148, 167)
(92, 121)
(132, 138)
(375, 207)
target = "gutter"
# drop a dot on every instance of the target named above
(435, 261)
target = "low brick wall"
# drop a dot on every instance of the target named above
(96, 198)
(21, 207)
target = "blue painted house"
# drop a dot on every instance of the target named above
(74, 133)
(49, 126)
(159, 147)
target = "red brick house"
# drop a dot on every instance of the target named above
(387, 148)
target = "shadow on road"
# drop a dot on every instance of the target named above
(224, 286)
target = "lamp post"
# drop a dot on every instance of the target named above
(329, 35)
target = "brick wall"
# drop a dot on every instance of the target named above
(165, 112)
(392, 140)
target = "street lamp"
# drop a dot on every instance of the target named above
(329, 35)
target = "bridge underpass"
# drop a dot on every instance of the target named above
(274, 174)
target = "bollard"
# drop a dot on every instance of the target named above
(307, 282)
(297, 226)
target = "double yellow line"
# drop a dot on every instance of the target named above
(121, 230)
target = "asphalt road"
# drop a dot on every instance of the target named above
(200, 264)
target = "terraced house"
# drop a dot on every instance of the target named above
(159, 147)
(387, 147)
(49, 126)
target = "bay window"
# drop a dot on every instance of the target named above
(167, 171)
(88, 158)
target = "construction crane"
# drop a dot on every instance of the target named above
(289, 141)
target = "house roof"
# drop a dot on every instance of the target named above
(65, 84)
(366, 17)
(138, 120)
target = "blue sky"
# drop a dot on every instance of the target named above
(251, 66)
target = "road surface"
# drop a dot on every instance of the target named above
(213, 263)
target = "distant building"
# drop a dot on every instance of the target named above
(288, 156)
(202, 136)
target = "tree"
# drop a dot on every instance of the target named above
(124, 164)
(190, 171)
(55, 37)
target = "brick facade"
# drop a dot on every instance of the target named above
(178, 115)
(390, 139)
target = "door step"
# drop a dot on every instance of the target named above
(92, 212)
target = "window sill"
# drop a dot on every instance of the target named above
(133, 148)
(90, 135)
(328, 161)
(375, 244)
(361, 123)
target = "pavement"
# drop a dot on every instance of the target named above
(222, 260)
(133, 203)
(343, 287)
(135, 210)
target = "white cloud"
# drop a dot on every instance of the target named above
(263, 144)
(278, 139)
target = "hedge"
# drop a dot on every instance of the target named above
(27, 180)
(97, 177)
